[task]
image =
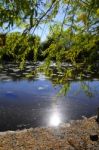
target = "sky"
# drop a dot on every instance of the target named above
(44, 30)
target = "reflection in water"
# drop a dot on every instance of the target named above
(55, 119)
(25, 104)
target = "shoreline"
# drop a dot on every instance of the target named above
(67, 124)
(75, 135)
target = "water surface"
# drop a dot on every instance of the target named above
(34, 102)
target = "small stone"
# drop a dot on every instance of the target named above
(61, 136)
(94, 137)
(97, 119)
(84, 117)
(51, 149)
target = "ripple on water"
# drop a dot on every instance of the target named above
(10, 94)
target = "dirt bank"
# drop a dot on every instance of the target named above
(76, 135)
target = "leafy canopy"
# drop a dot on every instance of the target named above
(74, 37)
(31, 13)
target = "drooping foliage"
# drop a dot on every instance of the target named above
(81, 51)
(20, 47)
(76, 15)
(27, 13)
(74, 37)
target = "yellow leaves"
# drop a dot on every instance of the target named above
(97, 11)
(66, 1)
(82, 17)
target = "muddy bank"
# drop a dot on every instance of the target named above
(75, 135)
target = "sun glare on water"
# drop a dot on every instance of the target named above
(55, 119)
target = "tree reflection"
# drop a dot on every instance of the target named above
(57, 75)
(64, 76)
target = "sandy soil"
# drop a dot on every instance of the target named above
(76, 135)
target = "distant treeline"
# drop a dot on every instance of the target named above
(78, 49)
(17, 46)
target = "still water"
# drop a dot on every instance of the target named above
(35, 102)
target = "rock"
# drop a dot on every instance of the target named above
(97, 119)
(94, 137)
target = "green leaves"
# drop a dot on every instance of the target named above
(21, 46)
(74, 14)
(72, 38)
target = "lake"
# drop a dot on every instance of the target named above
(35, 102)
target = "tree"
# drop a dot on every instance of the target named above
(20, 48)
(28, 13)
(77, 37)
(34, 12)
